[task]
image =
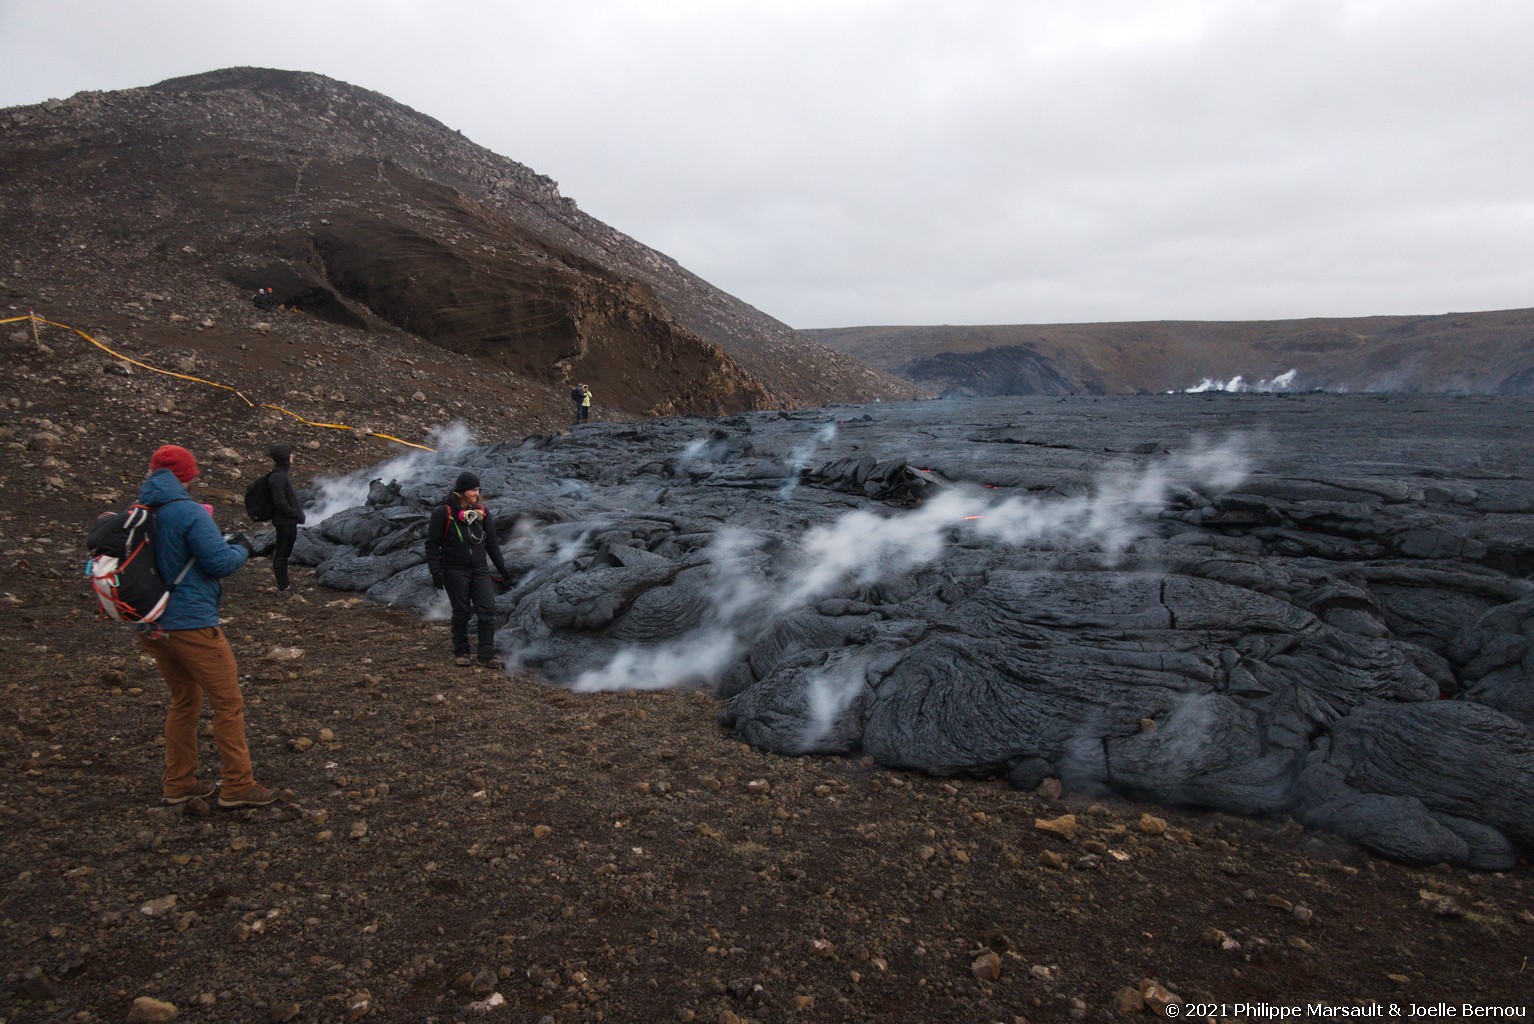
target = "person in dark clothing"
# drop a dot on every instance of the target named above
(264, 299)
(287, 513)
(459, 537)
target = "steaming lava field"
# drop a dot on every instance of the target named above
(1332, 641)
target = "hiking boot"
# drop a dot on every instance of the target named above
(462, 660)
(255, 796)
(493, 661)
(201, 791)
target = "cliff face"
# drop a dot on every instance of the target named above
(1456, 353)
(367, 214)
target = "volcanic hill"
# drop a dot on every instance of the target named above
(137, 207)
(1488, 353)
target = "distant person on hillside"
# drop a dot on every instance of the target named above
(265, 299)
(585, 404)
(192, 653)
(459, 537)
(576, 394)
(287, 513)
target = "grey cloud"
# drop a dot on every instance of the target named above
(993, 161)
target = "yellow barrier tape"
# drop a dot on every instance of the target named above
(34, 318)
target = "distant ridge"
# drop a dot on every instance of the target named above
(368, 214)
(1474, 353)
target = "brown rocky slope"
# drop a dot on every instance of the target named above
(365, 213)
(458, 844)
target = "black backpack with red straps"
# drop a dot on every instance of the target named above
(122, 569)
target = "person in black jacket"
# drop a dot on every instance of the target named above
(287, 513)
(459, 536)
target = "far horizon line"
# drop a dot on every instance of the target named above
(1170, 320)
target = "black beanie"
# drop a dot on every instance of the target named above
(466, 482)
(281, 454)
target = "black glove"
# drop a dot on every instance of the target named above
(436, 582)
(243, 541)
(500, 584)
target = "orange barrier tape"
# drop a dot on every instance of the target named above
(34, 318)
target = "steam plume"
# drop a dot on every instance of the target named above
(1283, 382)
(336, 494)
(863, 548)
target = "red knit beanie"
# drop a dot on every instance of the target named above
(176, 459)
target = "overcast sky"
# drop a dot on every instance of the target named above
(847, 162)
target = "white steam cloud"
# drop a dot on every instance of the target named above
(799, 458)
(697, 659)
(1283, 382)
(696, 662)
(337, 494)
(864, 548)
(438, 608)
(831, 692)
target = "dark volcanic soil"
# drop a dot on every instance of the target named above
(455, 837)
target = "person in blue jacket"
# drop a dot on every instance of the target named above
(192, 652)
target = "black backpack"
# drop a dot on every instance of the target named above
(576, 394)
(258, 500)
(122, 568)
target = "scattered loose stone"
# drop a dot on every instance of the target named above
(1128, 1000)
(147, 1010)
(1063, 826)
(1441, 905)
(1158, 997)
(493, 1003)
(359, 1005)
(158, 907)
(986, 966)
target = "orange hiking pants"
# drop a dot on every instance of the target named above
(196, 662)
